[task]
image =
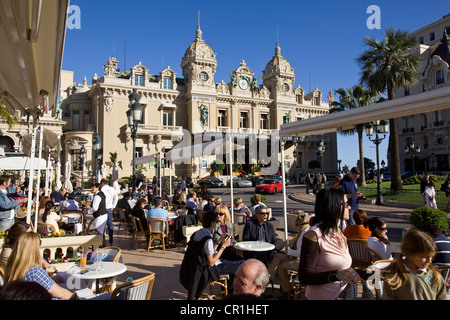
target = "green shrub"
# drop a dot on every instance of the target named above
(428, 215)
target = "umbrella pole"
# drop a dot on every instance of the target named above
(283, 177)
(31, 174)
(38, 183)
(231, 177)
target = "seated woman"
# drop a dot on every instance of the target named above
(41, 207)
(358, 230)
(50, 216)
(225, 227)
(378, 240)
(139, 212)
(25, 263)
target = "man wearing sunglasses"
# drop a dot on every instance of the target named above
(259, 229)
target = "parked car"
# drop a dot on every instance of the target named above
(189, 183)
(211, 182)
(269, 186)
(386, 176)
(409, 174)
(278, 177)
(241, 182)
(256, 180)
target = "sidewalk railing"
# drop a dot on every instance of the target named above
(411, 196)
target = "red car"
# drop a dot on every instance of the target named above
(269, 186)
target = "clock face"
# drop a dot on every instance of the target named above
(243, 84)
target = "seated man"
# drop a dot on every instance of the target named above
(157, 211)
(124, 202)
(259, 229)
(192, 202)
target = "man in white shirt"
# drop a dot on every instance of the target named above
(111, 201)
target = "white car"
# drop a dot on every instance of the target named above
(241, 182)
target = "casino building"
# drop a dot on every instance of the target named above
(193, 102)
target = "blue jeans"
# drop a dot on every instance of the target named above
(110, 221)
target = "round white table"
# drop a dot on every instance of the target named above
(110, 269)
(254, 246)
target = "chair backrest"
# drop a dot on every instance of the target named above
(240, 218)
(158, 225)
(2, 275)
(113, 252)
(45, 227)
(122, 214)
(139, 289)
(136, 224)
(73, 215)
(361, 257)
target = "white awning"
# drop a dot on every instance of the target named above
(146, 159)
(438, 99)
(215, 147)
(21, 163)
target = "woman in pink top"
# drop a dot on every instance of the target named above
(325, 261)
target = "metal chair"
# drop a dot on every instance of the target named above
(158, 228)
(139, 289)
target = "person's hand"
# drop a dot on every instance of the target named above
(23, 200)
(226, 241)
(348, 275)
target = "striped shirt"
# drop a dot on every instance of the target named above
(443, 245)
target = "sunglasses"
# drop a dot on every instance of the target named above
(263, 212)
(382, 229)
(221, 214)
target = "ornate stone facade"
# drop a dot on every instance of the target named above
(198, 103)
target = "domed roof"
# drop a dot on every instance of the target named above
(199, 48)
(278, 63)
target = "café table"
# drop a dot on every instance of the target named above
(109, 270)
(254, 246)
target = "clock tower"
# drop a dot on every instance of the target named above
(199, 68)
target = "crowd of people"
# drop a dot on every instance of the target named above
(318, 253)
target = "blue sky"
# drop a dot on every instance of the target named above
(321, 39)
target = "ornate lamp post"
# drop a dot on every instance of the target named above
(82, 158)
(412, 150)
(380, 127)
(134, 116)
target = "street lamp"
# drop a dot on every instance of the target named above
(321, 151)
(380, 127)
(412, 150)
(82, 158)
(97, 144)
(134, 116)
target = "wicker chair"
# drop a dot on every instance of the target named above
(158, 228)
(361, 256)
(139, 289)
(123, 218)
(137, 230)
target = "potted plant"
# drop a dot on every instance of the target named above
(217, 167)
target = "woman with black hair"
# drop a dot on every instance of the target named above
(378, 240)
(324, 259)
(50, 216)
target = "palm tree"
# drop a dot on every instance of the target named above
(387, 65)
(355, 97)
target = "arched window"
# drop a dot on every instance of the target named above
(7, 143)
(440, 77)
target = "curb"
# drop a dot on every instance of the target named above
(373, 207)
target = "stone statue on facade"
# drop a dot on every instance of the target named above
(203, 114)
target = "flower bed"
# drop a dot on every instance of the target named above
(58, 245)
